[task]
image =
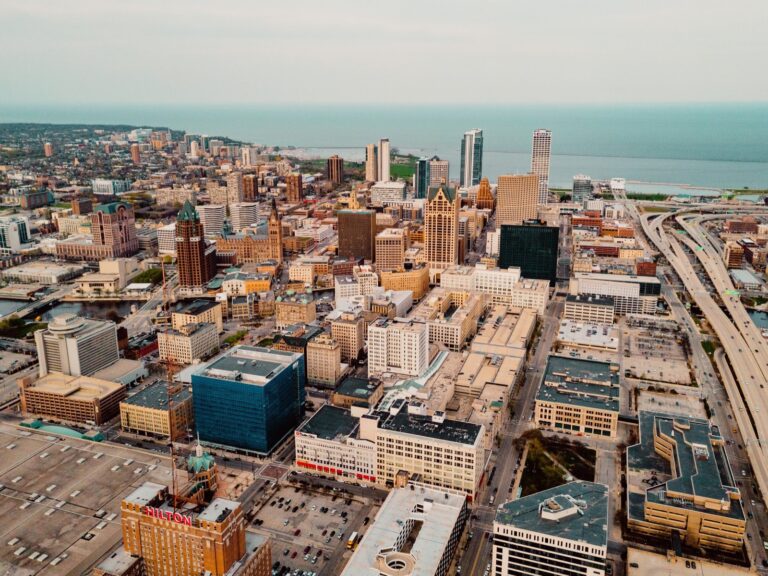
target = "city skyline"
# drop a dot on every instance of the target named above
(546, 44)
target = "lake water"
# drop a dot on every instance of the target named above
(713, 145)
(97, 310)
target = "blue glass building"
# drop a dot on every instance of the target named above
(249, 398)
(471, 158)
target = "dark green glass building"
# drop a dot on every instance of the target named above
(532, 247)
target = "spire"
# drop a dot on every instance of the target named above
(198, 447)
(188, 212)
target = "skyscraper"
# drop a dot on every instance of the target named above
(391, 244)
(294, 192)
(383, 160)
(357, 234)
(48, 149)
(438, 171)
(471, 157)
(421, 177)
(485, 199)
(542, 144)
(234, 187)
(335, 169)
(212, 217)
(135, 154)
(371, 163)
(195, 263)
(113, 226)
(441, 229)
(243, 214)
(516, 198)
(582, 188)
(532, 247)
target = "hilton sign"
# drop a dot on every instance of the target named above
(167, 515)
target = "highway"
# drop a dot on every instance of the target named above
(747, 356)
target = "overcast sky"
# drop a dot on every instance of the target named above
(382, 51)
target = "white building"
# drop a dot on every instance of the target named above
(212, 217)
(387, 191)
(631, 294)
(189, 343)
(76, 346)
(398, 346)
(503, 286)
(562, 531)
(471, 165)
(366, 278)
(589, 308)
(540, 156)
(166, 239)
(14, 233)
(416, 532)
(110, 187)
(243, 215)
(492, 241)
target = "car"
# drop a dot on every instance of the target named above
(285, 522)
(325, 532)
(295, 509)
(333, 512)
(328, 539)
(307, 549)
(272, 503)
(285, 552)
(297, 532)
(293, 554)
(333, 533)
(366, 520)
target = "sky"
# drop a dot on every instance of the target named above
(382, 52)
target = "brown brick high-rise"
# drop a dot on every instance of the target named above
(195, 264)
(335, 169)
(294, 192)
(357, 234)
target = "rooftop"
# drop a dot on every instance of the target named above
(357, 388)
(156, 396)
(701, 465)
(590, 299)
(82, 388)
(577, 511)
(398, 419)
(329, 423)
(195, 307)
(427, 515)
(579, 382)
(249, 364)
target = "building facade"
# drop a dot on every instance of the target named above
(162, 410)
(76, 346)
(517, 196)
(532, 247)
(441, 230)
(398, 346)
(540, 157)
(471, 157)
(357, 234)
(189, 343)
(323, 361)
(391, 245)
(196, 261)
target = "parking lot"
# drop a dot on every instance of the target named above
(309, 529)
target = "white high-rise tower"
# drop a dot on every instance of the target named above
(383, 160)
(542, 145)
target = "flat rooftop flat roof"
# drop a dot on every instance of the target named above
(646, 563)
(156, 396)
(581, 510)
(588, 383)
(436, 513)
(195, 307)
(330, 422)
(447, 430)
(357, 388)
(83, 388)
(590, 299)
(249, 364)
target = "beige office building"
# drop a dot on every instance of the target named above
(158, 411)
(294, 309)
(516, 198)
(323, 361)
(416, 280)
(189, 343)
(455, 328)
(198, 312)
(441, 229)
(349, 331)
(390, 249)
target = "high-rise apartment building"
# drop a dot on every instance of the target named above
(542, 147)
(250, 187)
(243, 214)
(188, 344)
(384, 160)
(48, 149)
(391, 245)
(471, 157)
(212, 217)
(135, 154)
(516, 198)
(582, 188)
(294, 192)
(234, 187)
(371, 163)
(249, 398)
(398, 346)
(438, 172)
(323, 361)
(76, 346)
(441, 229)
(357, 234)
(114, 227)
(196, 261)
(335, 169)
(532, 247)
(190, 540)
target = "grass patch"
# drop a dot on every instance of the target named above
(402, 171)
(15, 327)
(651, 197)
(235, 338)
(266, 342)
(709, 347)
(548, 456)
(151, 276)
(654, 209)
